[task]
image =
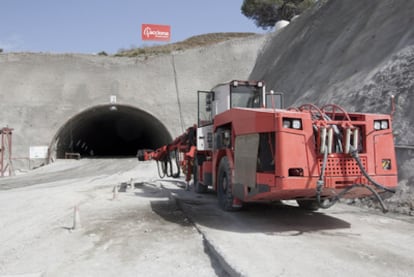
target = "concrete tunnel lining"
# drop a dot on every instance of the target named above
(109, 131)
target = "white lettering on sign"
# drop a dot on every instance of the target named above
(158, 34)
(112, 99)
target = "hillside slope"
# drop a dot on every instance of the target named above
(191, 42)
(355, 54)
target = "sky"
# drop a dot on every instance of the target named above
(92, 26)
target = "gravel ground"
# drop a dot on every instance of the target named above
(139, 232)
(156, 228)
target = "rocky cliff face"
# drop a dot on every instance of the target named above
(355, 54)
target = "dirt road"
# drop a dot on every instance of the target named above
(156, 228)
(283, 240)
(135, 233)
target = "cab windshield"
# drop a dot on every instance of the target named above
(246, 97)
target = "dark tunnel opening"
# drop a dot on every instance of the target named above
(109, 131)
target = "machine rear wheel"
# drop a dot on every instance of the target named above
(224, 186)
(310, 205)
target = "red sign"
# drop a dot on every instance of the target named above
(156, 32)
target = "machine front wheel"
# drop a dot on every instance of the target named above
(198, 187)
(224, 186)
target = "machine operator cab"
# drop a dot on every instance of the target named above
(242, 94)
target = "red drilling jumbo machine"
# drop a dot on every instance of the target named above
(247, 148)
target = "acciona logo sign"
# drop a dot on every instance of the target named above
(148, 32)
(155, 32)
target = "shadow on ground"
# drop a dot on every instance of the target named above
(268, 218)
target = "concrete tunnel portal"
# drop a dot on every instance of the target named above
(109, 131)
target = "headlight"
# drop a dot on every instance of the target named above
(381, 124)
(296, 124)
(377, 125)
(286, 123)
(384, 124)
(293, 123)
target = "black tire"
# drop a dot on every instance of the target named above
(198, 187)
(310, 205)
(141, 154)
(224, 186)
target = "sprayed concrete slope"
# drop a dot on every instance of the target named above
(41, 94)
(352, 53)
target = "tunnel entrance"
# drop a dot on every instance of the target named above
(109, 131)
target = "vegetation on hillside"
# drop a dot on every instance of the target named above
(265, 13)
(192, 42)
